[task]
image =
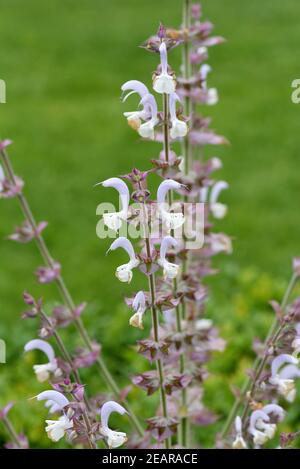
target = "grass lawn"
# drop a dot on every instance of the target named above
(64, 62)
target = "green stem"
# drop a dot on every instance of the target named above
(65, 294)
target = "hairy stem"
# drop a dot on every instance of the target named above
(65, 294)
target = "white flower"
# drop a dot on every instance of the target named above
(146, 130)
(148, 113)
(212, 97)
(203, 324)
(172, 221)
(170, 270)
(56, 429)
(124, 271)
(114, 220)
(178, 128)
(43, 371)
(220, 243)
(283, 375)
(114, 439)
(239, 442)
(258, 429)
(134, 117)
(139, 306)
(53, 398)
(217, 209)
(56, 401)
(164, 83)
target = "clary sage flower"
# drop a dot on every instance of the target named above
(114, 439)
(284, 370)
(114, 220)
(170, 270)
(148, 113)
(164, 83)
(219, 242)
(56, 429)
(239, 442)
(43, 371)
(212, 97)
(172, 221)
(217, 209)
(124, 271)
(139, 306)
(260, 427)
(178, 127)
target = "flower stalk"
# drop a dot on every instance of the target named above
(102, 368)
(259, 365)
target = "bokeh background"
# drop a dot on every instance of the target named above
(64, 62)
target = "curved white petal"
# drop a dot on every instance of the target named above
(281, 360)
(107, 408)
(38, 344)
(54, 396)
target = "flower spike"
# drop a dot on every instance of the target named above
(114, 439)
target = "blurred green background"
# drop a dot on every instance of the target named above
(64, 62)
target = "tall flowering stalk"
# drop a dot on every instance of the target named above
(272, 377)
(12, 186)
(182, 342)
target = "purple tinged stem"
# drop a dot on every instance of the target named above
(12, 432)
